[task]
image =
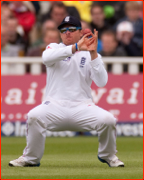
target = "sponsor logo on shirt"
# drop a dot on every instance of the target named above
(82, 63)
(49, 47)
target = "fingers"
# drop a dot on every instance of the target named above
(96, 33)
(91, 34)
(88, 34)
(91, 40)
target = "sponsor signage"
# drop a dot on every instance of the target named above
(122, 96)
(19, 129)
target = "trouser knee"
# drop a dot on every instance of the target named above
(31, 117)
(110, 120)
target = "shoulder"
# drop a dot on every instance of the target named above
(54, 45)
(51, 45)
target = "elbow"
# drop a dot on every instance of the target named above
(44, 58)
(103, 83)
(105, 80)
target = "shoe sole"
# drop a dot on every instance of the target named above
(28, 165)
(104, 161)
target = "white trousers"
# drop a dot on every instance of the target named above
(66, 115)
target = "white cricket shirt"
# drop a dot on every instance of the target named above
(69, 76)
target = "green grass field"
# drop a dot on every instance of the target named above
(73, 158)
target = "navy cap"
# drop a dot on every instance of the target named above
(70, 20)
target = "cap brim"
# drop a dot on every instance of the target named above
(60, 26)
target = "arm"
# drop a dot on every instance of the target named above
(53, 54)
(98, 73)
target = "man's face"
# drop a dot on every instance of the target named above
(70, 38)
(109, 44)
(6, 14)
(49, 25)
(51, 37)
(133, 14)
(58, 14)
(12, 26)
(97, 15)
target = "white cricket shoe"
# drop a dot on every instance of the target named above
(115, 162)
(21, 163)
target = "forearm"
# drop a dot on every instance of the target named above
(73, 48)
(53, 55)
(98, 73)
(93, 54)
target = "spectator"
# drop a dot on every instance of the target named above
(110, 45)
(98, 19)
(14, 36)
(7, 50)
(49, 36)
(6, 14)
(24, 12)
(125, 33)
(49, 25)
(132, 12)
(57, 13)
(70, 10)
(113, 10)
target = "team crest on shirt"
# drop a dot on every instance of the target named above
(82, 63)
(47, 102)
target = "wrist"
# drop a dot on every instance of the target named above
(76, 45)
(73, 48)
(93, 54)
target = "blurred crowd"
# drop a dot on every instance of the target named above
(28, 26)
